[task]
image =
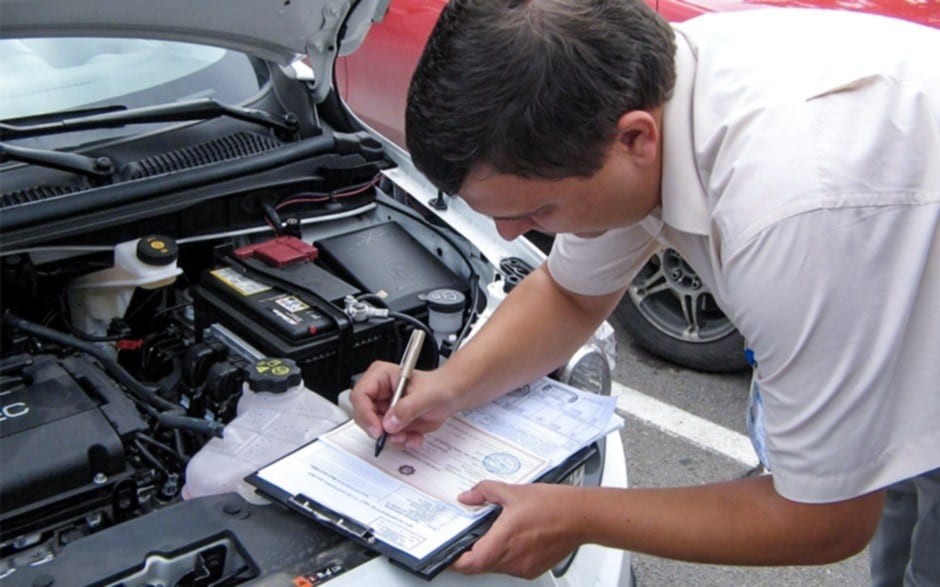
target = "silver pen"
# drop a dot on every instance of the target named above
(408, 361)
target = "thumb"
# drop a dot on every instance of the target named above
(495, 492)
(408, 409)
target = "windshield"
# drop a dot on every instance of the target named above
(40, 76)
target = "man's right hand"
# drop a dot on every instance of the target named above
(424, 406)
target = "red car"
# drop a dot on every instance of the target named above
(669, 311)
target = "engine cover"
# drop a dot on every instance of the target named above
(56, 438)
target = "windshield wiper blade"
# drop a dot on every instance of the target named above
(74, 162)
(203, 109)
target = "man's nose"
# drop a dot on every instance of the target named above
(512, 228)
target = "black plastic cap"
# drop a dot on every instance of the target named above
(273, 375)
(157, 250)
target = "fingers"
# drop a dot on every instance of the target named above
(487, 553)
(421, 409)
(483, 557)
(527, 539)
(371, 395)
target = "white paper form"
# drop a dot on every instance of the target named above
(453, 459)
(548, 418)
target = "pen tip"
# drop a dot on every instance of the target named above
(379, 443)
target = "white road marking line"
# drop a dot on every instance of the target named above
(675, 422)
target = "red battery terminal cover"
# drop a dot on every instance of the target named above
(278, 252)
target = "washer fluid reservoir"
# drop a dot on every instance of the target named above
(275, 415)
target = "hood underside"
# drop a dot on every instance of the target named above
(278, 30)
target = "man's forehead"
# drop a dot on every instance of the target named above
(484, 181)
(502, 196)
(497, 188)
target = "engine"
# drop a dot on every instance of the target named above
(64, 428)
(120, 362)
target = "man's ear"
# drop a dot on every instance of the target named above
(638, 133)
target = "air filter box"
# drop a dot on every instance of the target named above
(384, 259)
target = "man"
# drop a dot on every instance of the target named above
(793, 158)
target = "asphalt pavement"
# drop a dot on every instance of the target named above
(695, 433)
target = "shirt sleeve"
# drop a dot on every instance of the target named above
(603, 264)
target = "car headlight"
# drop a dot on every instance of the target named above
(588, 370)
(589, 474)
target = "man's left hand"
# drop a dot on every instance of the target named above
(538, 527)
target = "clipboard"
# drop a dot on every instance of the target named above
(431, 565)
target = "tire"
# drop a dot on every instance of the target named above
(670, 314)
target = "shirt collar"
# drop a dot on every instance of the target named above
(684, 200)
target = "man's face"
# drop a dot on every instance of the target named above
(618, 194)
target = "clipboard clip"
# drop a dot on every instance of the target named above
(330, 518)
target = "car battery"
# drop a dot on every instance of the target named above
(282, 303)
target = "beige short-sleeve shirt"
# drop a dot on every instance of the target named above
(801, 179)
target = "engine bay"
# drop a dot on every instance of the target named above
(124, 352)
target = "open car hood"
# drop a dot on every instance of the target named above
(277, 30)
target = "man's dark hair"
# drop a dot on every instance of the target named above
(533, 87)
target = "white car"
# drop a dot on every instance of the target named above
(183, 194)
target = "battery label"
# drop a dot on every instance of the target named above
(235, 280)
(291, 303)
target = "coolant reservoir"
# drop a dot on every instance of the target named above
(275, 415)
(97, 298)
